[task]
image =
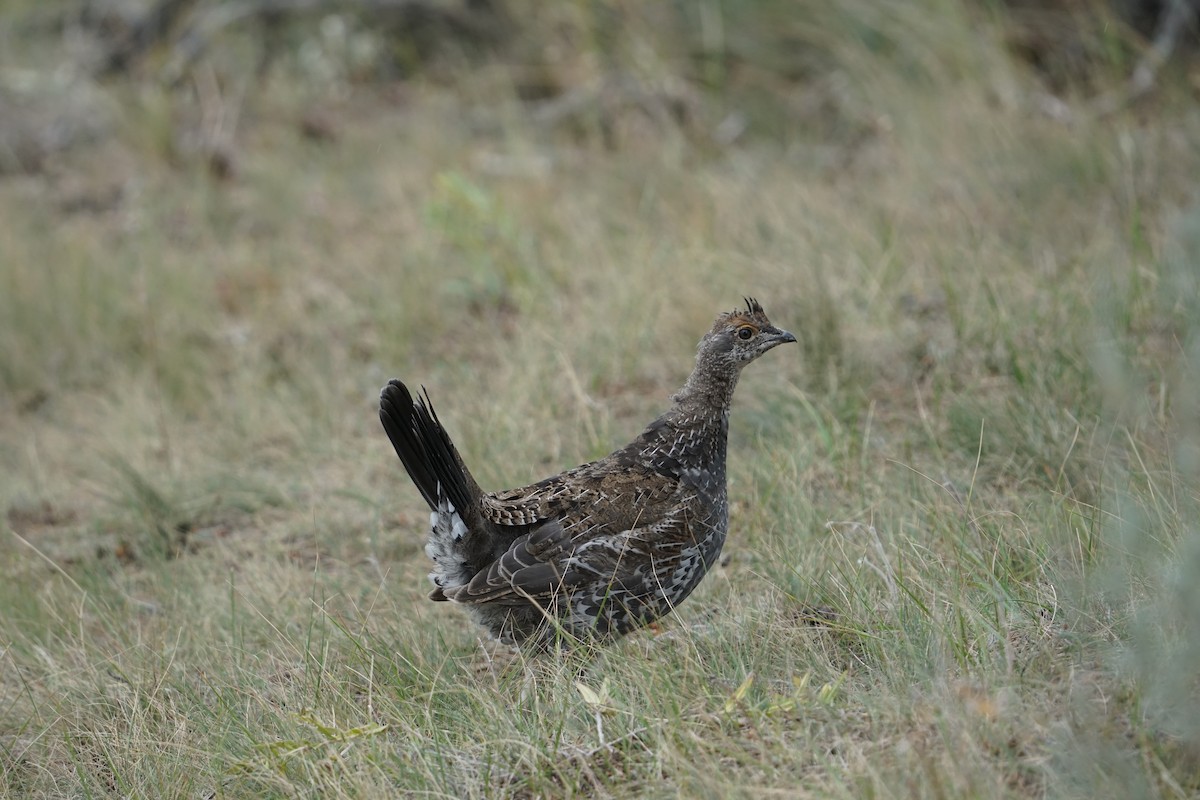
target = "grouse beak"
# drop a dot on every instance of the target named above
(783, 337)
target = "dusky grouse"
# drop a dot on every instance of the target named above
(603, 548)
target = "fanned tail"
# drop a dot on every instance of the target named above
(425, 449)
(459, 543)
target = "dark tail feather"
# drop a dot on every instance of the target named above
(424, 448)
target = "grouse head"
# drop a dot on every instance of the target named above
(738, 337)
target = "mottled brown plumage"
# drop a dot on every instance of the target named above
(600, 549)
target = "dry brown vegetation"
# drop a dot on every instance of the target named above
(980, 468)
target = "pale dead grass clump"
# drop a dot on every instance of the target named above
(963, 556)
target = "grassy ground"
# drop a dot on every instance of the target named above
(982, 460)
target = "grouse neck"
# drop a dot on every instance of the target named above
(707, 389)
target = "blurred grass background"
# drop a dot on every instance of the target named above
(981, 463)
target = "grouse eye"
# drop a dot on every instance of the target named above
(745, 333)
